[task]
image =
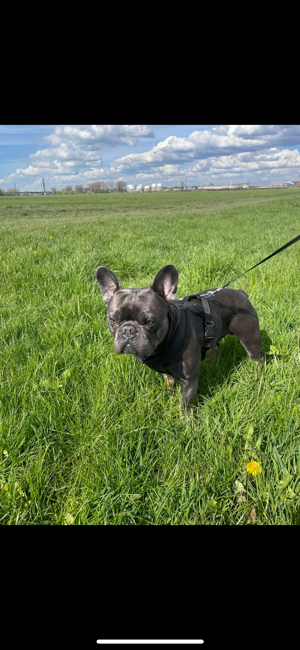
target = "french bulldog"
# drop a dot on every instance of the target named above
(167, 334)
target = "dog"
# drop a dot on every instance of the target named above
(167, 334)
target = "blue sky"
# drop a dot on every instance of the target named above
(80, 154)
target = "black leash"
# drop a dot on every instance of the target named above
(211, 293)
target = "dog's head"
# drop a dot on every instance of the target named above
(138, 318)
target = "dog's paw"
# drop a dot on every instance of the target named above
(260, 363)
(213, 353)
(186, 413)
(170, 381)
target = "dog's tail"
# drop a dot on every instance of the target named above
(244, 292)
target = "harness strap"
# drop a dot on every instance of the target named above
(209, 323)
(204, 312)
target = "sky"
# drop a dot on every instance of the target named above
(144, 154)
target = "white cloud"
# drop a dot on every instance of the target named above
(220, 141)
(95, 172)
(76, 153)
(100, 134)
(240, 165)
(77, 147)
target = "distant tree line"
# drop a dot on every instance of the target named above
(99, 187)
(11, 191)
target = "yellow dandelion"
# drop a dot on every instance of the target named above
(179, 286)
(253, 468)
(6, 487)
(35, 251)
(254, 286)
(50, 237)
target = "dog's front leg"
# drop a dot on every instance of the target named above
(188, 392)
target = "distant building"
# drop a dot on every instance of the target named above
(238, 186)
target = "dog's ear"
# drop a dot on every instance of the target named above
(165, 282)
(108, 283)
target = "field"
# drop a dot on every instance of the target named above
(89, 437)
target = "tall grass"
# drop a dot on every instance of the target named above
(89, 437)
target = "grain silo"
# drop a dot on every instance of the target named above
(147, 188)
(153, 187)
(159, 187)
(130, 188)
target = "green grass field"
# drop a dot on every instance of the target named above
(90, 437)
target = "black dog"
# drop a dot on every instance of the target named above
(171, 336)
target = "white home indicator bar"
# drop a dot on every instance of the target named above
(152, 641)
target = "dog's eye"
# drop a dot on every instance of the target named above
(113, 321)
(149, 322)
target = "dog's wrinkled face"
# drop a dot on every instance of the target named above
(138, 318)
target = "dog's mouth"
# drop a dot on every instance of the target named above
(131, 348)
(128, 349)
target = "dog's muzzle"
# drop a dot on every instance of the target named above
(126, 339)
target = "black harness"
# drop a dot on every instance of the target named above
(174, 341)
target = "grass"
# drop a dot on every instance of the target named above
(88, 437)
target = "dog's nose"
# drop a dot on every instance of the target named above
(128, 331)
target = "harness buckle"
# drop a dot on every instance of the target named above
(209, 330)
